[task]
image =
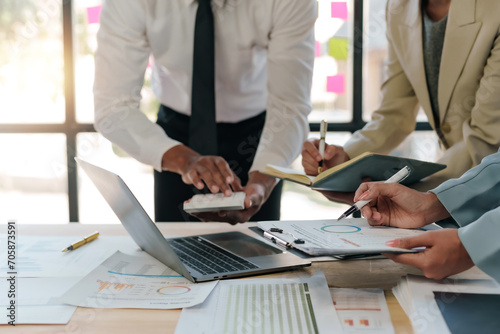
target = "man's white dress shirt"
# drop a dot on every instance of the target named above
(264, 53)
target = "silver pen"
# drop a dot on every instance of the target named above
(396, 178)
(276, 240)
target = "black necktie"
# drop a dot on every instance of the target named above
(202, 126)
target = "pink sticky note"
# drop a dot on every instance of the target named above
(317, 52)
(336, 84)
(93, 14)
(339, 10)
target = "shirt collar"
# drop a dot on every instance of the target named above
(220, 4)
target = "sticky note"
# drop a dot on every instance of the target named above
(336, 84)
(317, 52)
(339, 10)
(337, 48)
(93, 14)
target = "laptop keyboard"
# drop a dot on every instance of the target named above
(207, 258)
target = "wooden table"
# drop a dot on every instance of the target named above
(368, 273)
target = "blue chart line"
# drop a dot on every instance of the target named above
(341, 228)
(137, 275)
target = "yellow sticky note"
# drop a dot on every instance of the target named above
(337, 48)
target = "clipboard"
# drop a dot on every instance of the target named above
(349, 238)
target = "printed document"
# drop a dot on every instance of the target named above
(264, 306)
(42, 256)
(127, 281)
(331, 237)
(362, 310)
(415, 294)
(36, 300)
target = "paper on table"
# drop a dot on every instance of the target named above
(36, 300)
(42, 256)
(362, 310)
(330, 237)
(265, 305)
(126, 281)
(416, 297)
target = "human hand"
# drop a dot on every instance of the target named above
(311, 157)
(257, 190)
(443, 256)
(199, 170)
(393, 204)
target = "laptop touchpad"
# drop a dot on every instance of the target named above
(241, 244)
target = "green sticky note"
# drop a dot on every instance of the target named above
(337, 48)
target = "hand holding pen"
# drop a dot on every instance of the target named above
(317, 156)
(396, 178)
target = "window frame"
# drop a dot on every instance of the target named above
(71, 128)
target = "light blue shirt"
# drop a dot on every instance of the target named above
(473, 201)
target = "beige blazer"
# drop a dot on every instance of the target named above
(468, 89)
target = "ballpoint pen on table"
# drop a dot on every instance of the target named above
(82, 242)
(396, 178)
(279, 241)
(322, 133)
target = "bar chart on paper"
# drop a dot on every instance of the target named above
(264, 306)
(267, 308)
(362, 310)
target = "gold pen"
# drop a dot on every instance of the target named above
(82, 242)
(322, 133)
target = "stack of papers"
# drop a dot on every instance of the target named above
(44, 274)
(416, 295)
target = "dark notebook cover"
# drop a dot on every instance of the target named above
(470, 312)
(377, 167)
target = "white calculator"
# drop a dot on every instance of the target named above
(215, 202)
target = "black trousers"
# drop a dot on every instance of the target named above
(237, 144)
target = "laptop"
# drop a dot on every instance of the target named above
(198, 258)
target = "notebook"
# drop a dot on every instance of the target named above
(198, 258)
(347, 176)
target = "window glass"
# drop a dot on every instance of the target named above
(33, 178)
(87, 17)
(31, 62)
(331, 90)
(95, 149)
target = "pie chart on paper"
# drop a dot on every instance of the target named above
(340, 228)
